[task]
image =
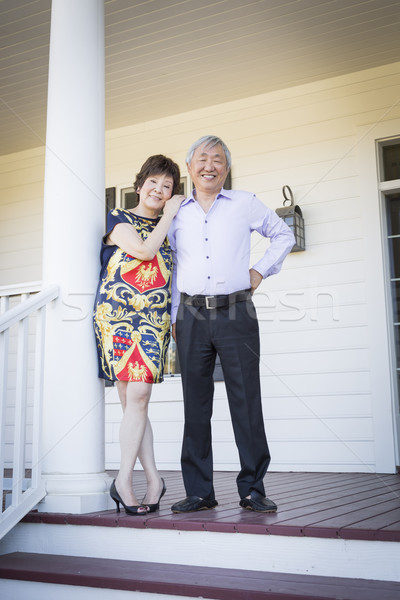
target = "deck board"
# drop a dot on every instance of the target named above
(332, 505)
(187, 580)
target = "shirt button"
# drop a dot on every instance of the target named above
(206, 239)
(208, 277)
(207, 257)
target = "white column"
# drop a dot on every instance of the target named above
(73, 412)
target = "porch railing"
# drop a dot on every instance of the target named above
(22, 328)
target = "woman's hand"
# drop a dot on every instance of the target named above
(173, 205)
(126, 237)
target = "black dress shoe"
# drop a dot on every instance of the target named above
(258, 503)
(193, 503)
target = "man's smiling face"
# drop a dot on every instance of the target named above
(208, 169)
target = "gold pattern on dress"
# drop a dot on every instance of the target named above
(165, 269)
(146, 276)
(137, 373)
(120, 364)
(105, 328)
(136, 337)
(138, 302)
(162, 296)
(112, 267)
(132, 304)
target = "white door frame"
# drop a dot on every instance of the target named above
(383, 389)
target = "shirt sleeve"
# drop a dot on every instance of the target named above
(175, 295)
(268, 224)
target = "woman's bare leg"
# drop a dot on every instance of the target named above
(134, 397)
(147, 460)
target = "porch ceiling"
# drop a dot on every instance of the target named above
(169, 56)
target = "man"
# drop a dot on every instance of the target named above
(214, 313)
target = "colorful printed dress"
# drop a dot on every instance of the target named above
(132, 307)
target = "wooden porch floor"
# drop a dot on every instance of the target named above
(355, 506)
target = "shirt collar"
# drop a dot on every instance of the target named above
(222, 193)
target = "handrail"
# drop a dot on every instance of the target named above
(17, 289)
(22, 500)
(23, 310)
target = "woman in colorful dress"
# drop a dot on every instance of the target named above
(132, 319)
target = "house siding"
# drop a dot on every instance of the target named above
(21, 220)
(317, 353)
(21, 230)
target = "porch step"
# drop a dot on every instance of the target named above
(188, 581)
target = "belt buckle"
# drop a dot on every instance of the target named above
(208, 298)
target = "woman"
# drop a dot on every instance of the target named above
(132, 319)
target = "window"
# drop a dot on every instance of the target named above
(393, 229)
(391, 162)
(129, 198)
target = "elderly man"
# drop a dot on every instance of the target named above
(214, 313)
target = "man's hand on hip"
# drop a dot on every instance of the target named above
(255, 280)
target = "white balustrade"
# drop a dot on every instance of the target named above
(21, 404)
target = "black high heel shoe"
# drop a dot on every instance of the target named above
(153, 507)
(130, 510)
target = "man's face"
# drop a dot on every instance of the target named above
(208, 169)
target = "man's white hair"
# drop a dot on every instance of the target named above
(209, 141)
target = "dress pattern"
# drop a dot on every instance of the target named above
(132, 307)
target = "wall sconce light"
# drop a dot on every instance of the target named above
(293, 217)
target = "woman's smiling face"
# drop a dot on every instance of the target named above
(155, 191)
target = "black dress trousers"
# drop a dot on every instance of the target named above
(233, 333)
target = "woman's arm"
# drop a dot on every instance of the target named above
(125, 237)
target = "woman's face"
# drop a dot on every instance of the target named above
(155, 191)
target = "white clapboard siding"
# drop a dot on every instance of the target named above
(21, 216)
(315, 348)
(318, 358)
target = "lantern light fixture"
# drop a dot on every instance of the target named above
(293, 217)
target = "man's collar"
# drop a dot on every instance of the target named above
(222, 193)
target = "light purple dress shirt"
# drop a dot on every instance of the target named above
(211, 251)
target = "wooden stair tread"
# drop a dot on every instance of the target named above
(187, 580)
(351, 506)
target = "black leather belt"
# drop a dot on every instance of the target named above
(219, 301)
